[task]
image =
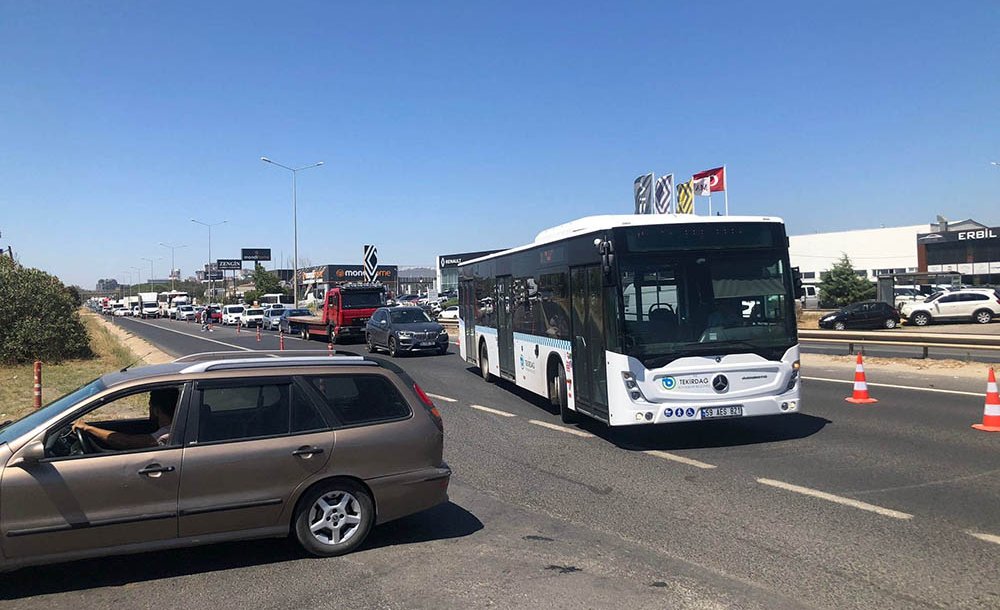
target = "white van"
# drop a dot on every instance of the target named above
(810, 297)
(232, 315)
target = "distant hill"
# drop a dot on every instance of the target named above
(408, 272)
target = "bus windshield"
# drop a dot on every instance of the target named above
(690, 303)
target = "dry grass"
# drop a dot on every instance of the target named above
(58, 379)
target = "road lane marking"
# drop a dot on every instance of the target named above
(246, 349)
(986, 537)
(439, 397)
(815, 493)
(493, 411)
(573, 431)
(679, 458)
(897, 387)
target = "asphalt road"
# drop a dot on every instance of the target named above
(893, 505)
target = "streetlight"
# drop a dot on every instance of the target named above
(129, 274)
(295, 225)
(138, 276)
(208, 269)
(150, 261)
(172, 267)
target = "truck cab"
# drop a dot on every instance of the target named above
(346, 310)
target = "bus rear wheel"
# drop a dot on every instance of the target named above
(558, 396)
(484, 364)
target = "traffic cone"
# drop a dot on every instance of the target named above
(991, 412)
(329, 349)
(237, 327)
(281, 341)
(860, 395)
(258, 334)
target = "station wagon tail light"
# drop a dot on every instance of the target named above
(435, 414)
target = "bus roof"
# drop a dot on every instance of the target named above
(592, 224)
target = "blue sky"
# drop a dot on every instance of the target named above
(455, 126)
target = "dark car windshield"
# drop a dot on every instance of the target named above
(54, 408)
(408, 316)
(295, 312)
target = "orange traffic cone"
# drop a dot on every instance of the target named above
(860, 395)
(991, 412)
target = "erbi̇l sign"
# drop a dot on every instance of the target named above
(256, 254)
(229, 264)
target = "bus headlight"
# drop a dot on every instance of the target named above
(632, 386)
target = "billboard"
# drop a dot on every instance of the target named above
(229, 264)
(256, 254)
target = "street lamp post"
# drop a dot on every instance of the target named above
(295, 224)
(208, 269)
(172, 266)
(138, 276)
(150, 261)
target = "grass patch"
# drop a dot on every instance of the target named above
(16, 381)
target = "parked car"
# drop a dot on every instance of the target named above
(260, 443)
(252, 316)
(964, 305)
(404, 329)
(271, 318)
(866, 314)
(232, 314)
(449, 313)
(185, 313)
(283, 324)
(214, 315)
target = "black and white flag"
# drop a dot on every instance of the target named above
(664, 194)
(371, 263)
(643, 191)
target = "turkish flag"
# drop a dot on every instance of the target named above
(716, 176)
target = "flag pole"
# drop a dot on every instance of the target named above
(725, 172)
(709, 203)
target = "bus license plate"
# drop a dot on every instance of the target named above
(713, 412)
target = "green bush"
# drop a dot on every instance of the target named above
(841, 286)
(40, 320)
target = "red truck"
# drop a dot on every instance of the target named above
(346, 310)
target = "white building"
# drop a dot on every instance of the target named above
(873, 252)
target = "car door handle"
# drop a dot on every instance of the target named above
(307, 451)
(155, 470)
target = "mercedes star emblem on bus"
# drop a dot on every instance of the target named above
(720, 384)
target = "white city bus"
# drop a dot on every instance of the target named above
(640, 319)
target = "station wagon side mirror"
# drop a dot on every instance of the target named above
(32, 453)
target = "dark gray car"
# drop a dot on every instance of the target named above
(405, 329)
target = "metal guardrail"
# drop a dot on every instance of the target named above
(925, 341)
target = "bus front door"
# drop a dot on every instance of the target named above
(505, 332)
(467, 311)
(590, 384)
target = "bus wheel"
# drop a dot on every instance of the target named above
(560, 398)
(484, 364)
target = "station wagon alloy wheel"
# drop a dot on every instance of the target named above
(335, 518)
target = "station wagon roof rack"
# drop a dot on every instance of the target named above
(253, 363)
(257, 353)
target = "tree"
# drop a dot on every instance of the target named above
(40, 319)
(264, 282)
(841, 285)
